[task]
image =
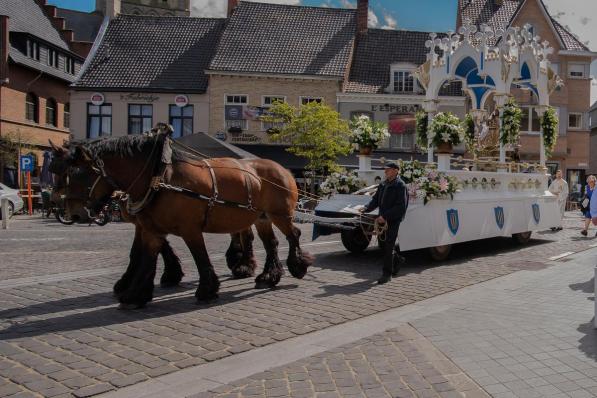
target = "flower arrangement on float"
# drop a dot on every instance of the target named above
(344, 182)
(366, 135)
(446, 131)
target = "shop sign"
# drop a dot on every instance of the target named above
(181, 100)
(97, 99)
(410, 108)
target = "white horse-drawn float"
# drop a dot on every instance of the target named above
(503, 202)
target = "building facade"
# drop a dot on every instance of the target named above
(382, 86)
(295, 55)
(134, 78)
(571, 61)
(38, 61)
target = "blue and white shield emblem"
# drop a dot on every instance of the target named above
(453, 223)
(536, 213)
(499, 216)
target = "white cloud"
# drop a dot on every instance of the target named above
(372, 20)
(390, 22)
(217, 8)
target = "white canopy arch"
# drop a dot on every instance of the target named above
(518, 59)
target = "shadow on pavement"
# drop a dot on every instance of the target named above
(112, 315)
(585, 287)
(588, 343)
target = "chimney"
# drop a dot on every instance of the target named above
(232, 4)
(362, 16)
(4, 45)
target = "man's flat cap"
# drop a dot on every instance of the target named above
(392, 165)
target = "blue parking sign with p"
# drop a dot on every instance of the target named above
(27, 163)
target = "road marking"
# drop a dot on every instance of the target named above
(31, 239)
(559, 256)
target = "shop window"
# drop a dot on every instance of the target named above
(99, 120)
(140, 118)
(576, 71)
(181, 119)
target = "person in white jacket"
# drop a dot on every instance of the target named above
(559, 187)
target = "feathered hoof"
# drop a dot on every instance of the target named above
(119, 288)
(242, 272)
(267, 282)
(207, 300)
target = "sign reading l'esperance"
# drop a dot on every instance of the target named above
(410, 108)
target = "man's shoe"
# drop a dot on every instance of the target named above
(583, 232)
(398, 261)
(384, 279)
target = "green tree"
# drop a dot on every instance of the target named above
(315, 131)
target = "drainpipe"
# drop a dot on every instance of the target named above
(4, 46)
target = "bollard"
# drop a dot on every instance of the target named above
(595, 297)
(4, 210)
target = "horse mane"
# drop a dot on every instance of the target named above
(123, 147)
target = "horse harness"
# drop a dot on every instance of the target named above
(159, 182)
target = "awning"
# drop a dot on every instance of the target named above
(213, 147)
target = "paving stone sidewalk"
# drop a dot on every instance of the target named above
(65, 337)
(398, 363)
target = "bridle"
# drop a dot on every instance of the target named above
(98, 167)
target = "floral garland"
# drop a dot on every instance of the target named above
(469, 132)
(549, 126)
(446, 129)
(422, 123)
(411, 170)
(511, 119)
(426, 184)
(341, 182)
(367, 133)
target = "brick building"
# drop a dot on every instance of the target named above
(39, 59)
(571, 60)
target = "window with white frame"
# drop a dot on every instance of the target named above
(233, 111)
(575, 120)
(576, 71)
(530, 122)
(268, 101)
(307, 100)
(53, 58)
(33, 49)
(403, 81)
(401, 127)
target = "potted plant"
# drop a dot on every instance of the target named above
(445, 132)
(367, 134)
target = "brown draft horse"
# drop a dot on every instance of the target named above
(239, 256)
(131, 164)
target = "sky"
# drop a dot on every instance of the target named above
(580, 16)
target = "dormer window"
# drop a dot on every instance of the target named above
(402, 79)
(33, 49)
(69, 66)
(53, 58)
(403, 82)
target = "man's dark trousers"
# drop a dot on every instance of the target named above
(388, 247)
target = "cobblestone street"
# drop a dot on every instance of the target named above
(61, 333)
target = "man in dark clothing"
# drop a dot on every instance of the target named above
(392, 199)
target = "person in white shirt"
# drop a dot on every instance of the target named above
(559, 187)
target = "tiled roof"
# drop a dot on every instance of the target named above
(501, 16)
(148, 53)
(85, 25)
(20, 58)
(27, 16)
(283, 39)
(378, 50)
(571, 42)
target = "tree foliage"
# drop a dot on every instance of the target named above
(316, 132)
